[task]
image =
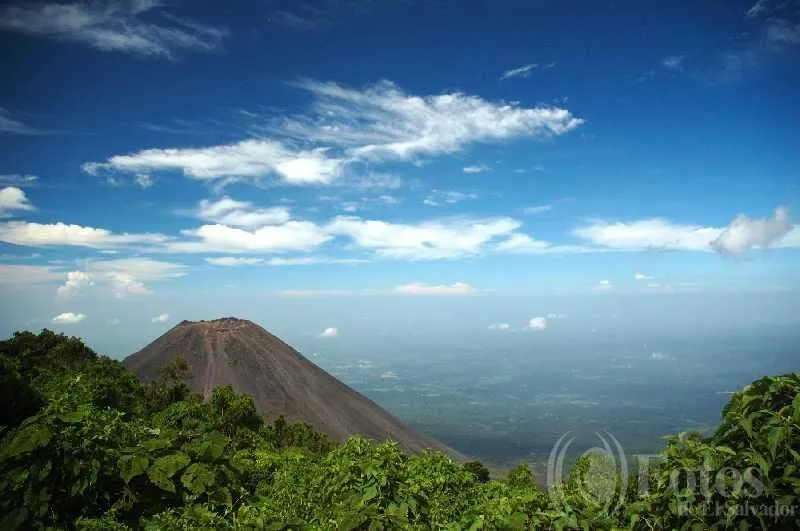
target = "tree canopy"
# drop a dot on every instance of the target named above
(86, 446)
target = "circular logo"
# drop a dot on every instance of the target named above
(598, 477)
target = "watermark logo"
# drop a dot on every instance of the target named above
(599, 477)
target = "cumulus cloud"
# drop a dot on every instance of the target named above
(131, 26)
(431, 240)
(75, 281)
(54, 234)
(227, 211)
(123, 276)
(13, 199)
(329, 332)
(499, 326)
(741, 235)
(69, 318)
(160, 318)
(458, 288)
(745, 233)
(537, 323)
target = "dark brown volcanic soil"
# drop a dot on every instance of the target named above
(280, 380)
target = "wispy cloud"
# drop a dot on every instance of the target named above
(14, 125)
(160, 318)
(477, 169)
(19, 180)
(538, 209)
(417, 288)
(524, 71)
(672, 62)
(448, 197)
(348, 127)
(131, 26)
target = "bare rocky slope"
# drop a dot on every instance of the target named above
(280, 380)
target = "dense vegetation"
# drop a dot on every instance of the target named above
(86, 446)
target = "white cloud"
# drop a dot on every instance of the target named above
(227, 211)
(538, 209)
(16, 179)
(114, 321)
(477, 169)
(13, 199)
(144, 180)
(329, 332)
(741, 235)
(135, 26)
(556, 316)
(458, 288)
(430, 240)
(389, 375)
(12, 125)
(642, 276)
(519, 243)
(673, 62)
(69, 318)
(46, 234)
(654, 233)
(310, 260)
(660, 356)
(160, 318)
(290, 236)
(499, 326)
(449, 197)
(75, 281)
(12, 275)
(232, 261)
(383, 122)
(248, 160)
(124, 276)
(756, 9)
(537, 323)
(521, 71)
(604, 284)
(745, 233)
(349, 126)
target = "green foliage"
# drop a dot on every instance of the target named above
(478, 470)
(86, 446)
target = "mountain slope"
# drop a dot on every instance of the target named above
(280, 380)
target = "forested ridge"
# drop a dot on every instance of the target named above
(85, 445)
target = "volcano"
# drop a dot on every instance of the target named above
(281, 380)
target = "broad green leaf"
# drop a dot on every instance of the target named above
(131, 466)
(26, 440)
(163, 468)
(197, 478)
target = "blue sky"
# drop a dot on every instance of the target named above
(476, 167)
